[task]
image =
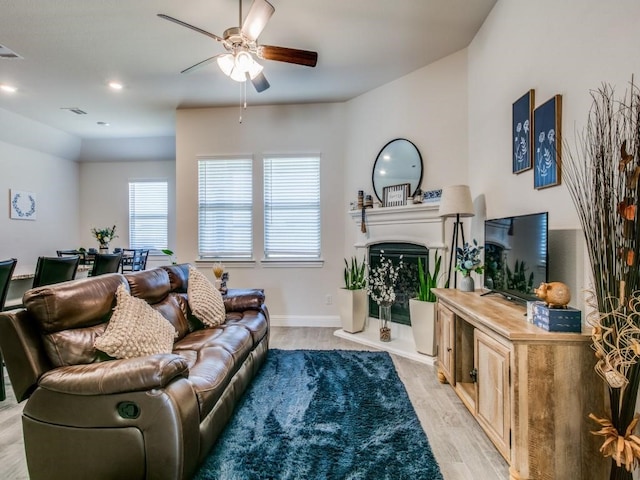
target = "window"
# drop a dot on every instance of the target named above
(225, 208)
(148, 215)
(292, 207)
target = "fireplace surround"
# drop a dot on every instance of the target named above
(417, 225)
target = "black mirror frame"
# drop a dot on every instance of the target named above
(373, 171)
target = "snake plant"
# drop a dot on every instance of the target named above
(354, 277)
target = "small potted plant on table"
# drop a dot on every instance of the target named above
(469, 261)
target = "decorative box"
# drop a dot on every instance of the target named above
(431, 196)
(556, 319)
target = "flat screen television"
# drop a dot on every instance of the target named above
(516, 255)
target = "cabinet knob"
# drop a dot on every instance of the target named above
(474, 375)
(449, 349)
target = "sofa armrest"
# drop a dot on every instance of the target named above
(239, 300)
(116, 376)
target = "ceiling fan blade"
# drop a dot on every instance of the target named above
(200, 64)
(260, 82)
(289, 55)
(199, 30)
(259, 14)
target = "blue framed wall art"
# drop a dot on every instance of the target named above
(522, 123)
(547, 119)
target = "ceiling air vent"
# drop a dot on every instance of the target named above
(75, 110)
(7, 53)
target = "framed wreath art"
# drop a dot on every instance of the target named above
(23, 205)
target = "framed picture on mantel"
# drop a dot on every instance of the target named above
(395, 195)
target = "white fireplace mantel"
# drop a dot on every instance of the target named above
(414, 223)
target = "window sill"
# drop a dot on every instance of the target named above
(292, 263)
(235, 263)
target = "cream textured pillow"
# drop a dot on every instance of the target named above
(204, 299)
(135, 329)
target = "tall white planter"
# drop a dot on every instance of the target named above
(352, 306)
(423, 325)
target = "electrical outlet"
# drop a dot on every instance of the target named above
(328, 299)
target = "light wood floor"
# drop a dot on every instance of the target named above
(459, 445)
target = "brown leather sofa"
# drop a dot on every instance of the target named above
(153, 417)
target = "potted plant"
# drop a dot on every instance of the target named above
(104, 236)
(469, 261)
(352, 298)
(422, 309)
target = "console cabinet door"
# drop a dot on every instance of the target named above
(493, 408)
(445, 342)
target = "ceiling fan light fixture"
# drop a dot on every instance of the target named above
(226, 63)
(243, 61)
(237, 67)
(255, 69)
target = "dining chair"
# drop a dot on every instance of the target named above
(106, 263)
(73, 253)
(134, 259)
(6, 271)
(50, 270)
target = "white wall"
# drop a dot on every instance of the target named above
(554, 47)
(104, 193)
(293, 293)
(565, 48)
(38, 159)
(427, 107)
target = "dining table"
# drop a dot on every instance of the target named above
(23, 281)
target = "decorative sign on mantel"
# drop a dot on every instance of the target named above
(23, 205)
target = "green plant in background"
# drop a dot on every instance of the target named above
(104, 235)
(517, 280)
(168, 252)
(427, 279)
(354, 276)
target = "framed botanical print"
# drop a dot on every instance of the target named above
(395, 195)
(522, 124)
(22, 205)
(547, 138)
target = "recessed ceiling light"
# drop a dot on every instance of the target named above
(76, 110)
(116, 85)
(8, 88)
(103, 124)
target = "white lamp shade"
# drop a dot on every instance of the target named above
(456, 200)
(226, 63)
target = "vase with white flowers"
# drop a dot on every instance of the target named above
(468, 260)
(381, 284)
(104, 236)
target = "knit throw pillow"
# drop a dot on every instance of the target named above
(135, 329)
(205, 300)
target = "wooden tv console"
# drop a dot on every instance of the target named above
(530, 390)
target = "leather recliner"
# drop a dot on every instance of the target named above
(153, 417)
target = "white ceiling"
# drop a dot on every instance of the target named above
(71, 49)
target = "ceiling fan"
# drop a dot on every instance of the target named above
(242, 46)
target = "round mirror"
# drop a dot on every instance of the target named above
(398, 162)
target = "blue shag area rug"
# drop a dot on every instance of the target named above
(334, 414)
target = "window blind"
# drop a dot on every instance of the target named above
(148, 215)
(292, 207)
(225, 208)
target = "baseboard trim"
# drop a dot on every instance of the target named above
(305, 320)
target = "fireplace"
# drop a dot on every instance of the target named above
(407, 285)
(414, 231)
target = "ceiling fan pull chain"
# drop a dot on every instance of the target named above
(243, 99)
